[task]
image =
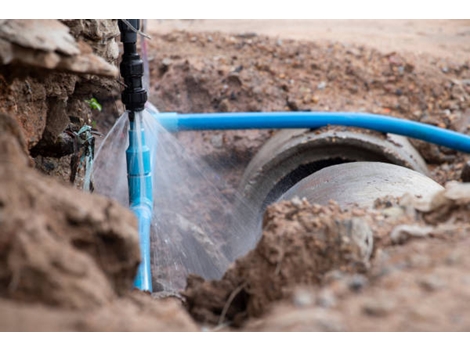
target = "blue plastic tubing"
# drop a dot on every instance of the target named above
(275, 120)
(139, 177)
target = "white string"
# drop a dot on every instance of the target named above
(135, 30)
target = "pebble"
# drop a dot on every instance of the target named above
(321, 85)
(402, 233)
(307, 99)
(453, 258)
(357, 282)
(326, 299)
(296, 201)
(167, 62)
(217, 141)
(247, 35)
(330, 324)
(224, 106)
(431, 283)
(333, 275)
(393, 212)
(378, 307)
(50, 165)
(303, 298)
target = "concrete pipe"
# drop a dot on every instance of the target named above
(291, 155)
(361, 183)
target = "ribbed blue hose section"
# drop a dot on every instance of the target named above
(277, 120)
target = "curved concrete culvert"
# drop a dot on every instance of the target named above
(291, 155)
(361, 183)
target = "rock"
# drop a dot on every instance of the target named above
(454, 258)
(378, 307)
(217, 141)
(303, 298)
(393, 212)
(55, 124)
(224, 106)
(99, 34)
(357, 282)
(402, 233)
(43, 35)
(48, 44)
(326, 299)
(293, 104)
(233, 79)
(34, 56)
(321, 85)
(247, 35)
(87, 63)
(431, 283)
(166, 62)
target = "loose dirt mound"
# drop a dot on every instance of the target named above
(210, 72)
(298, 246)
(61, 247)
(318, 258)
(67, 259)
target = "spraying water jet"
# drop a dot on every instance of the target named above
(196, 238)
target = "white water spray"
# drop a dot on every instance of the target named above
(192, 219)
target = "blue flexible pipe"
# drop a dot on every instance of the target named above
(139, 172)
(275, 120)
(143, 279)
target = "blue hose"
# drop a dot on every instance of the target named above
(275, 120)
(139, 173)
(143, 279)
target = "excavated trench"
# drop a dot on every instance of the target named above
(68, 258)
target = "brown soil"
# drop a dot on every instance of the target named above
(68, 258)
(197, 72)
(440, 38)
(317, 261)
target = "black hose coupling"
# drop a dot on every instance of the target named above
(134, 95)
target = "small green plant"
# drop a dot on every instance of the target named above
(93, 104)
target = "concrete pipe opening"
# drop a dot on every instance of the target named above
(293, 155)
